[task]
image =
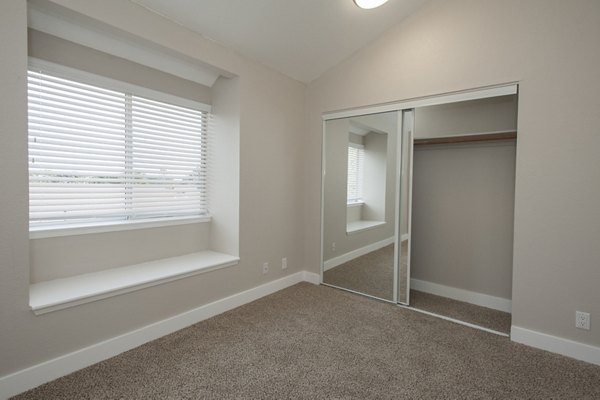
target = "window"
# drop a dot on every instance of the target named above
(104, 156)
(356, 156)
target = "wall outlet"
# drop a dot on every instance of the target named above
(582, 320)
(333, 246)
(265, 268)
(284, 263)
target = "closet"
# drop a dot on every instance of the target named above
(418, 200)
(462, 210)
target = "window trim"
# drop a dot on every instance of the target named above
(80, 76)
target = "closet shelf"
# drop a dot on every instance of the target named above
(486, 137)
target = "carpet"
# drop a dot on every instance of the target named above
(482, 316)
(316, 342)
(372, 274)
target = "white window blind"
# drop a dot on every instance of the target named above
(356, 156)
(104, 156)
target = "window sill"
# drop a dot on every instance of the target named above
(58, 294)
(362, 225)
(71, 230)
(357, 204)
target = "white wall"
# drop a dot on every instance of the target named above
(551, 48)
(270, 109)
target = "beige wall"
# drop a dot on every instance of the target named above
(495, 114)
(224, 167)
(551, 48)
(60, 51)
(462, 216)
(463, 198)
(375, 182)
(270, 124)
(60, 257)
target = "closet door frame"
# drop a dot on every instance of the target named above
(505, 89)
(446, 98)
(407, 174)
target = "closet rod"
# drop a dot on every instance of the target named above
(467, 138)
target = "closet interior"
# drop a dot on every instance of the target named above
(418, 203)
(462, 210)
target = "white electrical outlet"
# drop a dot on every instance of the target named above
(265, 267)
(284, 263)
(333, 246)
(582, 320)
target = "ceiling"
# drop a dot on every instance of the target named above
(300, 38)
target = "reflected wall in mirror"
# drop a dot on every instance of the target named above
(359, 204)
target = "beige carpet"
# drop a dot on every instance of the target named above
(403, 273)
(316, 342)
(482, 316)
(372, 274)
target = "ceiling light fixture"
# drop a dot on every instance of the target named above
(368, 4)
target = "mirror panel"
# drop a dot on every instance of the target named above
(406, 154)
(359, 204)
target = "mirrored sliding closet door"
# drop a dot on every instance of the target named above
(362, 163)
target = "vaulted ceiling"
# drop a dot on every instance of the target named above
(300, 38)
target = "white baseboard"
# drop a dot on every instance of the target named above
(344, 258)
(566, 347)
(36, 375)
(311, 277)
(480, 299)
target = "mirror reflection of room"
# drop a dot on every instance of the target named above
(366, 177)
(359, 215)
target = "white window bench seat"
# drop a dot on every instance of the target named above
(362, 225)
(63, 293)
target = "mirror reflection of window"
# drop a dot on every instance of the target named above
(366, 176)
(356, 162)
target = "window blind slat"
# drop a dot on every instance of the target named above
(101, 155)
(73, 182)
(95, 134)
(355, 174)
(85, 138)
(51, 117)
(42, 100)
(142, 114)
(154, 158)
(39, 78)
(153, 113)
